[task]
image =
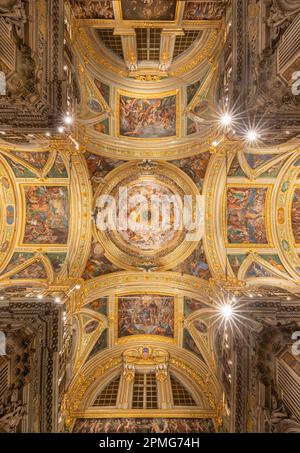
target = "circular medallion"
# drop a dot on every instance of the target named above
(145, 216)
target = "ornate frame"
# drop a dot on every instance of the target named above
(137, 95)
(146, 338)
(112, 251)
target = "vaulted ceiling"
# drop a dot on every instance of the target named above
(143, 84)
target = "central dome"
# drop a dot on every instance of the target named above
(148, 229)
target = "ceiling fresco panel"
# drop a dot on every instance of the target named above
(146, 315)
(149, 117)
(246, 222)
(47, 215)
(162, 10)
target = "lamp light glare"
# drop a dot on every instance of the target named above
(252, 135)
(68, 119)
(226, 311)
(226, 119)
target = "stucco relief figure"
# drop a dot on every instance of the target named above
(278, 419)
(102, 9)
(203, 11)
(22, 82)
(281, 16)
(12, 411)
(246, 215)
(13, 12)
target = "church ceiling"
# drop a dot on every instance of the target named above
(145, 83)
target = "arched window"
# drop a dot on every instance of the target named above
(181, 396)
(144, 391)
(108, 396)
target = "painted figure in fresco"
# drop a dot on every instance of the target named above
(97, 263)
(17, 259)
(104, 90)
(195, 264)
(256, 270)
(37, 160)
(200, 326)
(94, 105)
(100, 167)
(98, 305)
(236, 262)
(190, 345)
(35, 270)
(192, 90)
(151, 315)
(191, 305)
(148, 118)
(91, 326)
(19, 170)
(195, 167)
(142, 232)
(100, 344)
(101, 127)
(58, 170)
(245, 215)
